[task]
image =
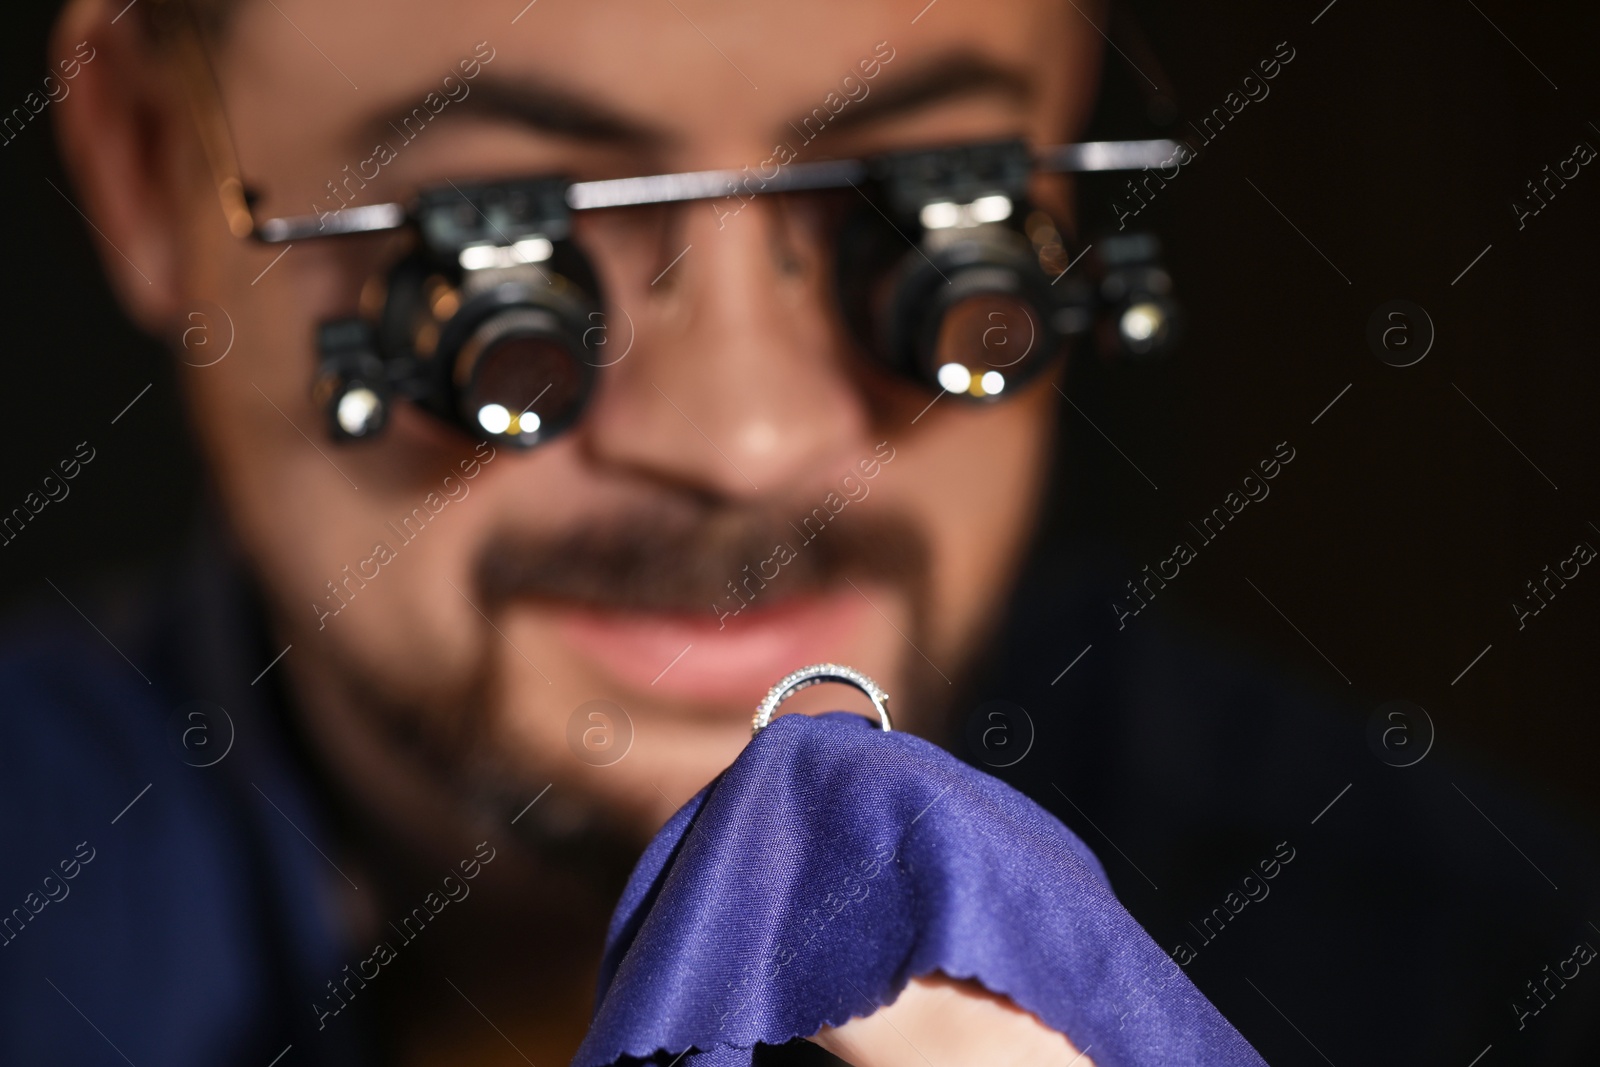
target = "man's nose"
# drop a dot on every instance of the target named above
(739, 383)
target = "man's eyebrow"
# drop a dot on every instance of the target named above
(944, 78)
(545, 107)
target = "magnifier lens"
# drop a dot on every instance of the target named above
(521, 387)
(987, 341)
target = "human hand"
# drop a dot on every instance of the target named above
(945, 1022)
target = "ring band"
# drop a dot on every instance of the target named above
(816, 675)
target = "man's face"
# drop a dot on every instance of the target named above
(742, 497)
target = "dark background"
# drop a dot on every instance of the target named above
(1395, 140)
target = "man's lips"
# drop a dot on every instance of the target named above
(689, 658)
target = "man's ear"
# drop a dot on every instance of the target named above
(129, 142)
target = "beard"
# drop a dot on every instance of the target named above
(674, 557)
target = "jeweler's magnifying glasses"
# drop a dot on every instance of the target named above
(946, 273)
(493, 321)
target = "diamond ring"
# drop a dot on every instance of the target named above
(816, 675)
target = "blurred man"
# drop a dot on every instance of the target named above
(448, 604)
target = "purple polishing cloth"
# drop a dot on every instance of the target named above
(830, 865)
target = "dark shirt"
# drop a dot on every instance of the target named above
(1407, 924)
(201, 929)
(197, 924)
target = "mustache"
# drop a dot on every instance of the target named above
(707, 558)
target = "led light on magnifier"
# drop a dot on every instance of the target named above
(940, 215)
(946, 214)
(358, 410)
(527, 250)
(955, 378)
(1142, 322)
(992, 382)
(990, 209)
(494, 418)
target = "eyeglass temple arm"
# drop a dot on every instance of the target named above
(205, 104)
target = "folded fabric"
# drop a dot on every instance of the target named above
(830, 865)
